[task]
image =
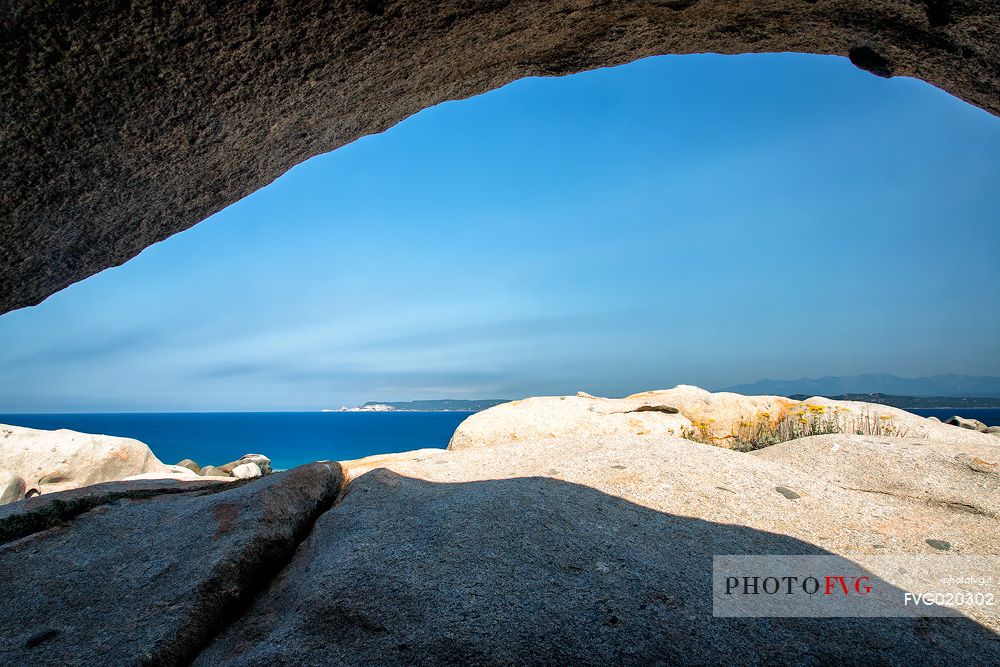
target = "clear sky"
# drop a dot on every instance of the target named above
(697, 219)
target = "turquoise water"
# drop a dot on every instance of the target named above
(288, 438)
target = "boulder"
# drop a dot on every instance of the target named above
(12, 487)
(565, 417)
(993, 430)
(190, 465)
(148, 578)
(260, 460)
(599, 550)
(212, 471)
(59, 460)
(716, 416)
(936, 474)
(246, 471)
(721, 418)
(357, 467)
(971, 424)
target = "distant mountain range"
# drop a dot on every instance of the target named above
(913, 402)
(873, 383)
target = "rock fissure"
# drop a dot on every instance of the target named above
(166, 583)
(665, 409)
(950, 504)
(275, 563)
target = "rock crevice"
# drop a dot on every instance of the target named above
(166, 572)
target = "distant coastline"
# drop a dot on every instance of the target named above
(936, 386)
(892, 400)
(441, 405)
(955, 407)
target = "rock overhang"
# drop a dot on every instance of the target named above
(126, 123)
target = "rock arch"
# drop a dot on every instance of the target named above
(124, 122)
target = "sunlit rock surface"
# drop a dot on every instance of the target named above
(12, 487)
(58, 460)
(566, 416)
(720, 418)
(599, 551)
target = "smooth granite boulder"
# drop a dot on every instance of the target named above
(190, 465)
(356, 467)
(12, 487)
(246, 471)
(148, 577)
(59, 460)
(259, 460)
(566, 417)
(179, 473)
(971, 424)
(719, 414)
(591, 551)
(716, 414)
(686, 410)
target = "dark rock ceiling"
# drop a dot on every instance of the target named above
(125, 122)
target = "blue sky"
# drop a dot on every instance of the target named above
(698, 219)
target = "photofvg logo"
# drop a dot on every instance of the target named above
(864, 586)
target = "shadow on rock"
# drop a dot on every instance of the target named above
(145, 573)
(540, 571)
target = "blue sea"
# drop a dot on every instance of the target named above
(287, 438)
(294, 438)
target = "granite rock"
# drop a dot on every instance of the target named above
(12, 487)
(128, 122)
(971, 424)
(563, 417)
(591, 551)
(59, 460)
(246, 471)
(148, 578)
(190, 465)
